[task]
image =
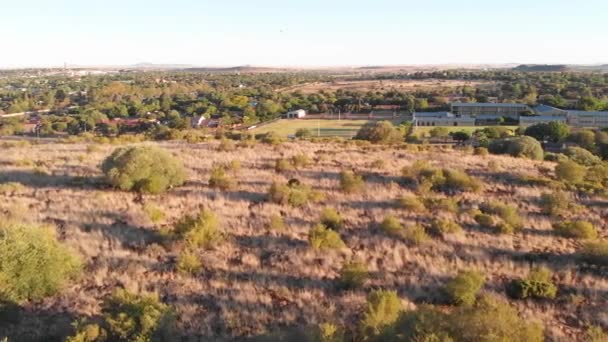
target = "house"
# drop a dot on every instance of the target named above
(441, 119)
(295, 114)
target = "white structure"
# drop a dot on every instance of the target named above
(581, 118)
(295, 114)
(526, 121)
(441, 119)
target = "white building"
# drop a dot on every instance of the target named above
(295, 114)
(526, 121)
(441, 119)
(581, 118)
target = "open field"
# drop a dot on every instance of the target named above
(385, 85)
(260, 280)
(322, 127)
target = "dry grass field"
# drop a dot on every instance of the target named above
(384, 85)
(259, 280)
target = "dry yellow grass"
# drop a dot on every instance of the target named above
(260, 279)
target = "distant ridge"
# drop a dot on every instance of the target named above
(541, 67)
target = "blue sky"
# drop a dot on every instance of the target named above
(302, 33)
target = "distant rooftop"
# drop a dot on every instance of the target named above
(487, 104)
(433, 115)
(544, 108)
(583, 112)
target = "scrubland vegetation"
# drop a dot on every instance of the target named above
(302, 241)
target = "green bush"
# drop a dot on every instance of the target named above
(436, 204)
(569, 171)
(331, 219)
(303, 133)
(295, 194)
(381, 312)
(444, 226)
(200, 231)
(537, 285)
(350, 182)
(352, 275)
(463, 289)
(276, 223)
(582, 156)
(391, 225)
(575, 229)
(508, 213)
(380, 132)
(411, 203)
(524, 146)
(415, 234)
(426, 177)
(326, 332)
(321, 237)
(131, 317)
(282, 165)
(33, 264)
(300, 161)
(489, 319)
(226, 145)
(556, 203)
(456, 180)
(188, 262)
(485, 220)
(221, 179)
(596, 334)
(143, 169)
(87, 332)
(595, 253)
(272, 138)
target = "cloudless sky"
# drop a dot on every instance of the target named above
(302, 33)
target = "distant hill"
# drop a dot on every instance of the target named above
(561, 68)
(541, 67)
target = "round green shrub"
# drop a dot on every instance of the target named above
(524, 146)
(575, 229)
(33, 264)
(380, 132)
(132, 317)
(537, 285)
(144, 169)
(463, 288)
(595, 253)
(331, 219)
(321, 237)
(352, 275)
(569, 171)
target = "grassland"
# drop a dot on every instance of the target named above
(323, 128)
(260, 280)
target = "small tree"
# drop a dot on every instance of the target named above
(143, 169)
(382, 311)
(570, 172)
(133, 317)
(33, 264)
(463, 288)
(351, 182)
(202, 230)
(352, 275)
(537, 285)
(381, 132)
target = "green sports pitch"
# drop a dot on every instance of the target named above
(320, 127)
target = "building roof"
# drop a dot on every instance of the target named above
(542, 118)
(433, 115)
(544, 109)
(583, 112)
(489, 104)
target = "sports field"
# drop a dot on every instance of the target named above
(321, 127)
